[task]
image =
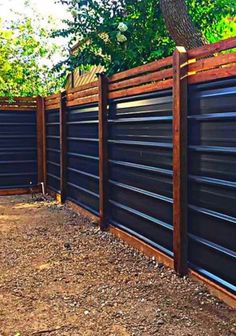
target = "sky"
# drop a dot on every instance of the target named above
(45, 7)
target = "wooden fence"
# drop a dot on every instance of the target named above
(126, 121)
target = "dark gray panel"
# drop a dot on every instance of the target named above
(140, 167)
(53, 149)
(212, 181)
(82, 156)
(18, 149)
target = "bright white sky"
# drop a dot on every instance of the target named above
(45, 7)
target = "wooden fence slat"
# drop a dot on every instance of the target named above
(81, 94)
(180, 113)
(81, 101)
(40, 137)
(212, 74)
(83, 87)
(158, 75)
(149, 67)
(103, 150)
(212, 62)
(141, 89)
(212, 48)
(62, 118)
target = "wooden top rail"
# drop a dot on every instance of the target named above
(204, 64)
(83, 94)
(18, 103)
(149, 67)
(213, 48)
(146, 78)
(212, 68)
(52, 102)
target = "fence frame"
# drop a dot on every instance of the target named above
(177, 72)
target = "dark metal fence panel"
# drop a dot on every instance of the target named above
(53, 149)
(18, 149)
(82, 157)
(212, 181)
(140, 167)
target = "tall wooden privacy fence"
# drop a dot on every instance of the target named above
(152, 152)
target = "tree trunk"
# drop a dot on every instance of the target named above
(180, 25)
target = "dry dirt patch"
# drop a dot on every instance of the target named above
(59, 275)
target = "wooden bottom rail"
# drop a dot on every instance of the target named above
(214, 289)
(19, 191)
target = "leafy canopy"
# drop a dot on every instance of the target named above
(94, 26)
(26, 58)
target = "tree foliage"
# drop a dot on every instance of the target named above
(95, 27)
(26, 59)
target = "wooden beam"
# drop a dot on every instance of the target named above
(40, 137)
(180, 112)
(19, 191)
(103, 150)
(62, 118)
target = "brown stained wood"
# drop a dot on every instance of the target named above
(20, 99)
(62, 118)
(180, 128)
(53, 96)
(44, 146)
(81, 94)
(160, 75)
(19, 191)
(149, 67)
(18, 104)
(83, 87)
(82, 101)
(53, 107)
(103, 150)
(209, 75)
(141, 89)
(212, 62)
(216, 290)
(40, 140)
(142, 246)
(212, 48)
(52, 102)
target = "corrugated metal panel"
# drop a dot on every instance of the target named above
(18, 149)
(140, 157)
(53, 149)
(212, 181)
(82, 156)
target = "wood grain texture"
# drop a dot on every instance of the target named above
(141, 89)
(212, 48)
(63, 147)
(103, 150)
(149, 67)
(152, 77)
(40, 135)
(180, 129)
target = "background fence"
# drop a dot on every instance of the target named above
(18, 145)
(152, 151)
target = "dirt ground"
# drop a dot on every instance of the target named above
(59, 275)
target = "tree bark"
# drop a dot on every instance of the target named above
(180, 25)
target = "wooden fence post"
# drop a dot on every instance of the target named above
(180, 174)
(103, 150)
(41, 138)
(62, 118)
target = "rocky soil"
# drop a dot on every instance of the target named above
(59, 275)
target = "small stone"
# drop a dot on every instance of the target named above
(86, 312)
(160, 322)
